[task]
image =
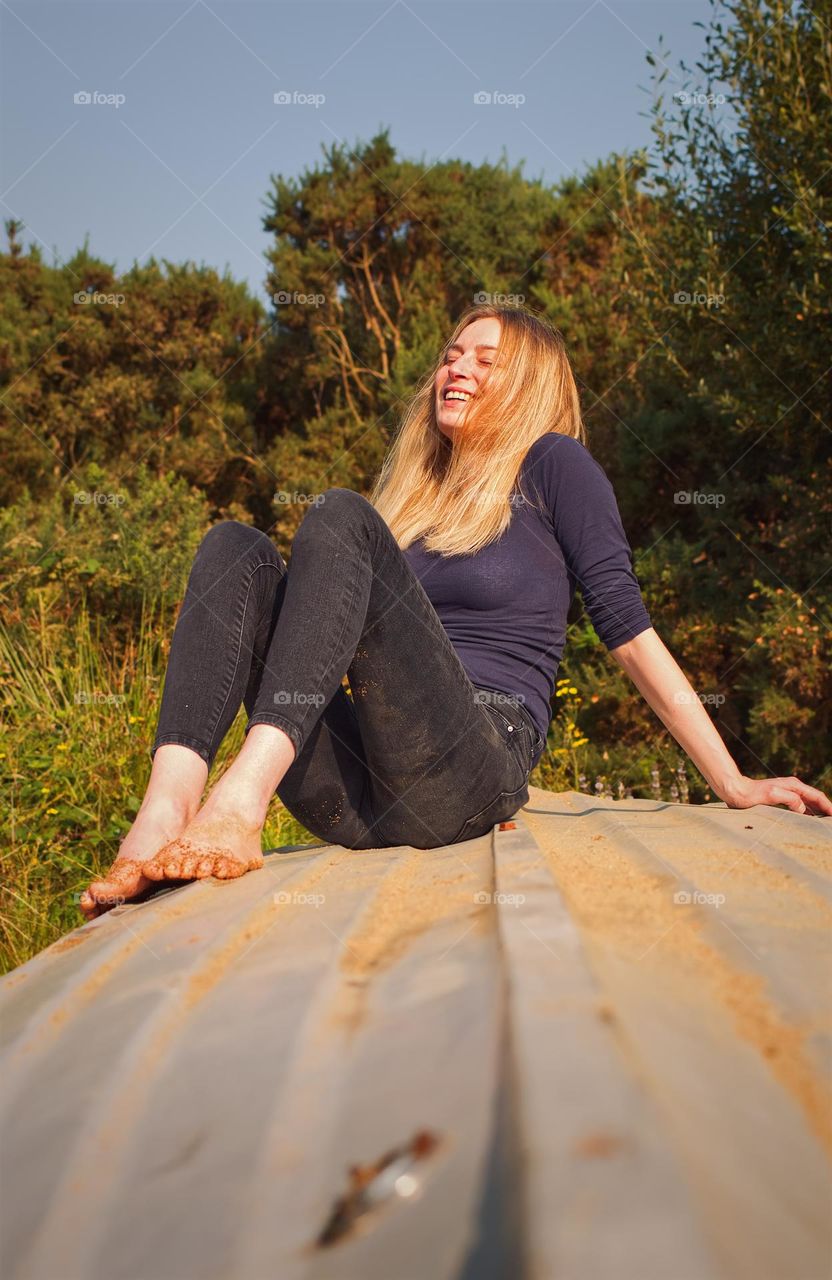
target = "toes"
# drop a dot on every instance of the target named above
(205, 867)
(153, 870)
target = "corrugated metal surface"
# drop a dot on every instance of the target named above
(595, 1046)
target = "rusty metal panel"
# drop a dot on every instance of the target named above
(593, 1044)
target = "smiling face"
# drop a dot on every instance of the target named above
(466, 366)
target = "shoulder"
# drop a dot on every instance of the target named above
(555, 459)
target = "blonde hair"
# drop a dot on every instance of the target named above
(456, 494)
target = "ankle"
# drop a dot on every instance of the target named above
(242, 806)
(172, 810)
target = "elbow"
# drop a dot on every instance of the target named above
(631, 653)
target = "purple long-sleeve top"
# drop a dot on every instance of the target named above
(505, 607)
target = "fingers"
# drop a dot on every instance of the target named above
(783, 794)
(801, 797)
(816, 800)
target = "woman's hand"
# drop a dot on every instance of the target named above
(794, 794)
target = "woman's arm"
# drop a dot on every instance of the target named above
(656, 674)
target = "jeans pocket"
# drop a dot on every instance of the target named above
(497, 810)
(519, 735)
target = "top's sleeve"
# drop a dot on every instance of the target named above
(581, 503)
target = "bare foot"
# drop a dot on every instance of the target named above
(153, 828)
(216, 842)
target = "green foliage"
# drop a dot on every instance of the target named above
(174, 390)
(80, 718)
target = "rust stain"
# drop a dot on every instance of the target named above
(68, 943)
(620, 906)
(601, 1144)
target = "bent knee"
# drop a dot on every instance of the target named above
(233, 538)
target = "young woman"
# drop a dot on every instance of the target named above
(444, 599)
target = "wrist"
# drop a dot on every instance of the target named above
(728, 788)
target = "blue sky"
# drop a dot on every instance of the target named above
(181, 166)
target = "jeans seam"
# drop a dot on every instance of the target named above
(183, 740)
(264, 564)
(343, 624)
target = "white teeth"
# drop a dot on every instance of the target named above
(457, 395)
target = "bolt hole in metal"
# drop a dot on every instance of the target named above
(396, 1176)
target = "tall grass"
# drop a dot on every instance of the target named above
(80, 712)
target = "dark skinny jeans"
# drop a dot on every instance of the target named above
(418, 755)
